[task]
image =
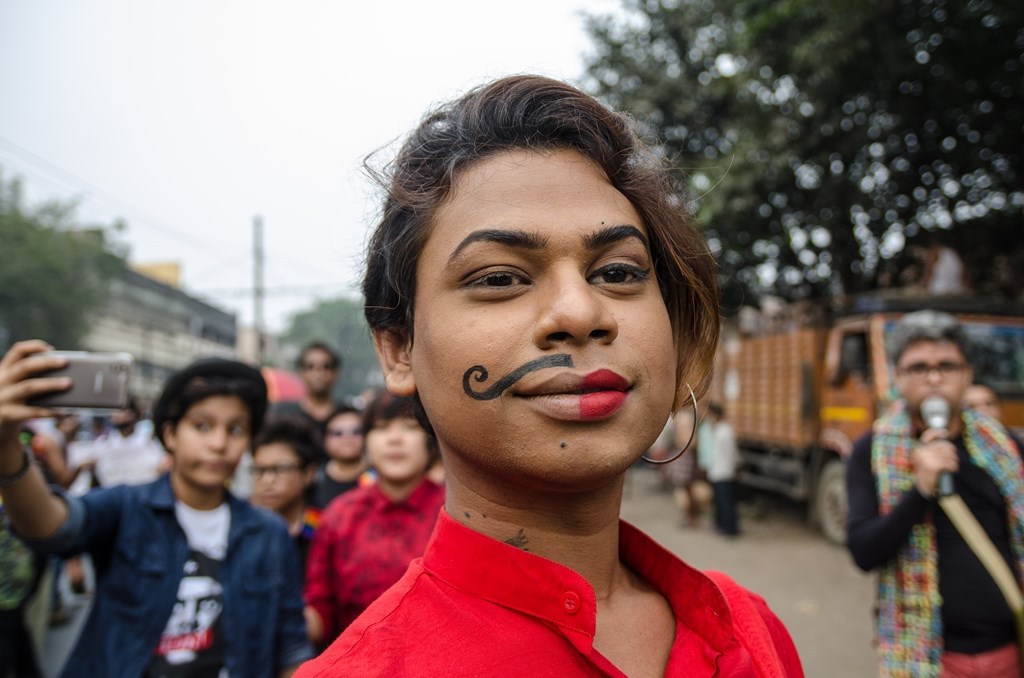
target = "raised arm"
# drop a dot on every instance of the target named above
(34, 511)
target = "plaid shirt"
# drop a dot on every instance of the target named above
(363, 545)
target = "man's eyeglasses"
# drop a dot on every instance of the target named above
(339, 432)
(922, 370)
(276, 471)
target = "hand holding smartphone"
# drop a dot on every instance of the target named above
(98, 381)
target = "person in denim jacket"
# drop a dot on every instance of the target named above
(191, 580)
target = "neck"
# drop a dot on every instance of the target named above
(345, 469)
(398, 491)
(580, 531)
(199, 498)
(292, 515)
(318, 399)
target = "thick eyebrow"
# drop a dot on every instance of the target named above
(613, 234)
(533, 241)
(520, 239)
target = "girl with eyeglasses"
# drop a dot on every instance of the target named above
(284, 455)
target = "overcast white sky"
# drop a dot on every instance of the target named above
(188, 118)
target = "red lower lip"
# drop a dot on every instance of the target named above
(601, 404)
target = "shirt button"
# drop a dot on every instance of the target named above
(571, 602)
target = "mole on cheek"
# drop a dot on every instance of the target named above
(563, 445)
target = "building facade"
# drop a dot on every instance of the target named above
(163, 327)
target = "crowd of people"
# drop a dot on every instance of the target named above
(540, 308)
(355, 509)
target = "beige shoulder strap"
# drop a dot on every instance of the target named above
(974, 534)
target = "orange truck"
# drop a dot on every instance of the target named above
(800, 384)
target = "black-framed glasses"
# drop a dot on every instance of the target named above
(275, 471)
(922, 370)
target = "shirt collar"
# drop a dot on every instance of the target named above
(491, 570)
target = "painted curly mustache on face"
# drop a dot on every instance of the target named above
(480, 374)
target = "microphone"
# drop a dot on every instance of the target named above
(935, 412)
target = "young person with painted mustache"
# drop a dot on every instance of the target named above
(535, 283)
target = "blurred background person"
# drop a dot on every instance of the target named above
(319, 366)
(368, 536)
(682, 475)
(284, 455)
(345, 465)
(983, 398)
(127, 453)
(21, 572)
(722, 468)
(939, 611)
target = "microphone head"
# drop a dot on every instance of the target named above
(935, 412)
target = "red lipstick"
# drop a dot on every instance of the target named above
(604, 394)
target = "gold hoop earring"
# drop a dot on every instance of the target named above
(693, 400)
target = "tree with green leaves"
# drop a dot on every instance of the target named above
(341, 324)
(53, 273)
(825, 140)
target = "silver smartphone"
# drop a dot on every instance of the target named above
(98, 381)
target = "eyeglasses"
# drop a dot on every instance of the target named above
(922, 370)
(325, 367)
(277, 471)
(339, 432)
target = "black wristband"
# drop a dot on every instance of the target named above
(10, 480)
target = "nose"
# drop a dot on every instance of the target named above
(573, 311)
(218, 438)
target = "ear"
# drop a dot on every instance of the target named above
(170, 437)
(394, 350)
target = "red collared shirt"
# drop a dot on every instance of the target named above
(363, 545)
(474, 606)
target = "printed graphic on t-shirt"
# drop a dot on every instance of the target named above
(192, 643)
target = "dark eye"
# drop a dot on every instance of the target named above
(618, 274)
(497, 279)
(503, 279)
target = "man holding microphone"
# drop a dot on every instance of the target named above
(940, 613)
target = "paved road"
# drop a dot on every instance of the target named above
(813, 586)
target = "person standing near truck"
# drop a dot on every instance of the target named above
(721, 470)
(939, 612)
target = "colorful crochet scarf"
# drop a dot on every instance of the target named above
(909, 619)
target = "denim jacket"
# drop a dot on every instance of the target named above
(139, 551)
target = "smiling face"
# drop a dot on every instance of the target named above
(538, 271)
(206, 446)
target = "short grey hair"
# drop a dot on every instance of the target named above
(925, 326)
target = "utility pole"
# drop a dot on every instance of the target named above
(258, 289)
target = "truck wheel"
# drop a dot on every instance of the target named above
(830, 502)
